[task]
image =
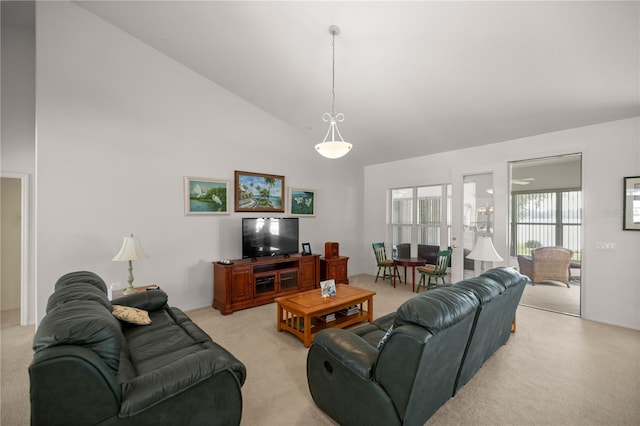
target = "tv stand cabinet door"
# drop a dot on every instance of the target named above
(241, 284)
(309, 272)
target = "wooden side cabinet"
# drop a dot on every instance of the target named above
(246, 283)
(334, 269)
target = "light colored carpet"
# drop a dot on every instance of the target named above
(556, 370)
(553, 296)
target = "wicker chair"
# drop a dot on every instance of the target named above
(546, 264)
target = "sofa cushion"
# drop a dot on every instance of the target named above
(384, 338)
(83, 323)
(81, 277)
(147, 300)
(507, 277)
(374, 331)
(483, 287)
(437, 309)
(131, 315)
(77, 291)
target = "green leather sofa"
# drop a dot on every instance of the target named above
(90, 368)
(402, 367)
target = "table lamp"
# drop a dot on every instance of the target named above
(484, 252)
(131, 250)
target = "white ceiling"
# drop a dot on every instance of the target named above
(412, 78)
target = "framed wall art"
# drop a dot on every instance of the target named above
(203, 196)
(302, 202)
(259, 192)
(631, 210)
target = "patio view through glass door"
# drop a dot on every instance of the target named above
(546, 211)
(477, 218)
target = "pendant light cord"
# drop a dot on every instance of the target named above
(333, 75)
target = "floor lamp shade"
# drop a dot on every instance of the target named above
(484, 251)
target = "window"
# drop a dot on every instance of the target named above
(546, 219)
(417, 216)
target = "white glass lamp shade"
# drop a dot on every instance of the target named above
(484, 251)
(131, 250)
(333, 149)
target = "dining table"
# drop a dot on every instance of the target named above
(412, 262)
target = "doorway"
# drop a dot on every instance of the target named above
(15, 248)
(11, 225)
(546, 212)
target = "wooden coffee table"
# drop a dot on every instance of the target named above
(302, 314)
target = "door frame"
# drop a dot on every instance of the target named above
(24, 242)
(501, 206)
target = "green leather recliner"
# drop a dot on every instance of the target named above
(89, 368)
(402, 367)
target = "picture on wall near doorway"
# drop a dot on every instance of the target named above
(631, 203)
(259, 192)
(302, 202)
(204, 196)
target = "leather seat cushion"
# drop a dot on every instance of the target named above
(428, 269)
(437, 309)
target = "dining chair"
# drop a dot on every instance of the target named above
(385, 265)
(439, 270)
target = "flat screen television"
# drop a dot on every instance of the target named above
(269, 236)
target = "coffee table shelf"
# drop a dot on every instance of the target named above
(296, 312)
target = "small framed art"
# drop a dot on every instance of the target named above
(259, 192)
(306, 249)
(203, 196)
(631, 216)
(328, 288)
(302, 202)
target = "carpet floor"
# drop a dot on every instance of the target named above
(555, 370)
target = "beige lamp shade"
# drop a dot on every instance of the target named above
(131, 250)
(484, 251)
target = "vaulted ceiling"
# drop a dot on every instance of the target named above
(412, 78)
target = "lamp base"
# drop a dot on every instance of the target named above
(130, 290)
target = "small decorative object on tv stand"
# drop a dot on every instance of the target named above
(331, 250)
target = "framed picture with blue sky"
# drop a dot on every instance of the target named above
(204, 196)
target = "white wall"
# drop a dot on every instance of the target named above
(119, 126)
(610, 280)
(17, 133)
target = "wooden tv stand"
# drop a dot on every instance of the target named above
(247, 283)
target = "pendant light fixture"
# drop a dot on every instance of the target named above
(333, 148)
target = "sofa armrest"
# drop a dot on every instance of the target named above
(158, 385)
(349, 349)
(146, 300)
(71, 382)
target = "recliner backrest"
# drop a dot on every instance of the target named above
(423, 353)
(499, 291)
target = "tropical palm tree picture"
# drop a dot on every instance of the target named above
(205, 196)
(259, 192)
(302, 202)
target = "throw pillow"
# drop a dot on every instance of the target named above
(385, 338)
(132, 315)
